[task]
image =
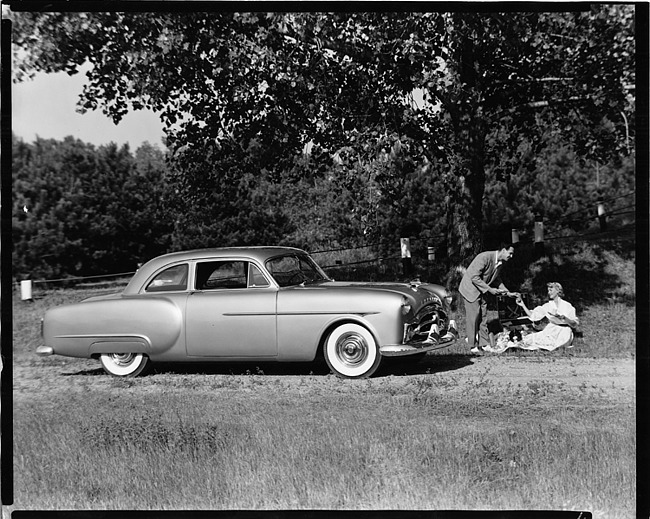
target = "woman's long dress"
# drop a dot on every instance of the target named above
(552, 337)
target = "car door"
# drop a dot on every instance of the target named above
(231, 312)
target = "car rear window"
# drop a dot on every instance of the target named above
(171, 279)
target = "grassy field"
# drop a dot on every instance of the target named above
(215, 441)
(521, 431)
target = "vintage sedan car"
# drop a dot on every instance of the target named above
(249, 304)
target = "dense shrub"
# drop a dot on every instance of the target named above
(80, 210)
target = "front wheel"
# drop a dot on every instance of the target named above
(352, 352)
(124, 364)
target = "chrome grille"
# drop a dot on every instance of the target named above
(418, 329)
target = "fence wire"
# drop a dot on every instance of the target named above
(626, 210)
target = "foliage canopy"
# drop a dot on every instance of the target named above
(378, 98)
(81, 210)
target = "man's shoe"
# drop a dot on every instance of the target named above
(475, 349)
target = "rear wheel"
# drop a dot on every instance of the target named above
(124, 364)
(352, 352)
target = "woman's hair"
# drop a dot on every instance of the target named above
(555, 284)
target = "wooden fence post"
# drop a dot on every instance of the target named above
(407, 266)
(514, 235)
(431, 254)
(26, 290)
(602, 214)
(539, 234)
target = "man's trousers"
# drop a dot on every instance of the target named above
(476, 321)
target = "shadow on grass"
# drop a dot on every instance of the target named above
(85, 373)
(241, 368)
(590, 273)
(221, 368)
(390, 367)
(430, 364)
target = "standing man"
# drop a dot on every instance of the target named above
(480, 278)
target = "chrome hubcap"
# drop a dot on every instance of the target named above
(123, 359)
(351, 349)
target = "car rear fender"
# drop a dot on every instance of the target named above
(130, 324)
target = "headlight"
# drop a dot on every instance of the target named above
(449, 299)
(406, 307)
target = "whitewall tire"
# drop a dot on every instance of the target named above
(351, 351)
(124, 364)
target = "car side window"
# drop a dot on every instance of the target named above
(294, 269)
(173, 278)
(213, 275)
(255, 277)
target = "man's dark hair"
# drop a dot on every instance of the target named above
(507, 244)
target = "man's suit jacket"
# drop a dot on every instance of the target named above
(480, 275)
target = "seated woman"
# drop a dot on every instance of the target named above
(561, 316)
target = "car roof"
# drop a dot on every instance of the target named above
(259, 253)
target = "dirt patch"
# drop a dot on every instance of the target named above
(612, 379)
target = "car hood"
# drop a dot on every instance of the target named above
(419, 294)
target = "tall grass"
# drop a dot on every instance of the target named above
(244, 441)
(240, 442)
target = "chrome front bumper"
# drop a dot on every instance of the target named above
(424, 334)
(413, 348)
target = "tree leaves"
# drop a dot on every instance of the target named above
(253, 89)
(89, 210)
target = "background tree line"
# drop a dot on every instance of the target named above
(334, 129)
(81, 210)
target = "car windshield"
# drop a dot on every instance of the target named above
(295, 269)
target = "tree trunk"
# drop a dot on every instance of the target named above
(467, 178)
(466, 188)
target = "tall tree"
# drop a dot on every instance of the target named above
(81, 210)
(244, 93)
